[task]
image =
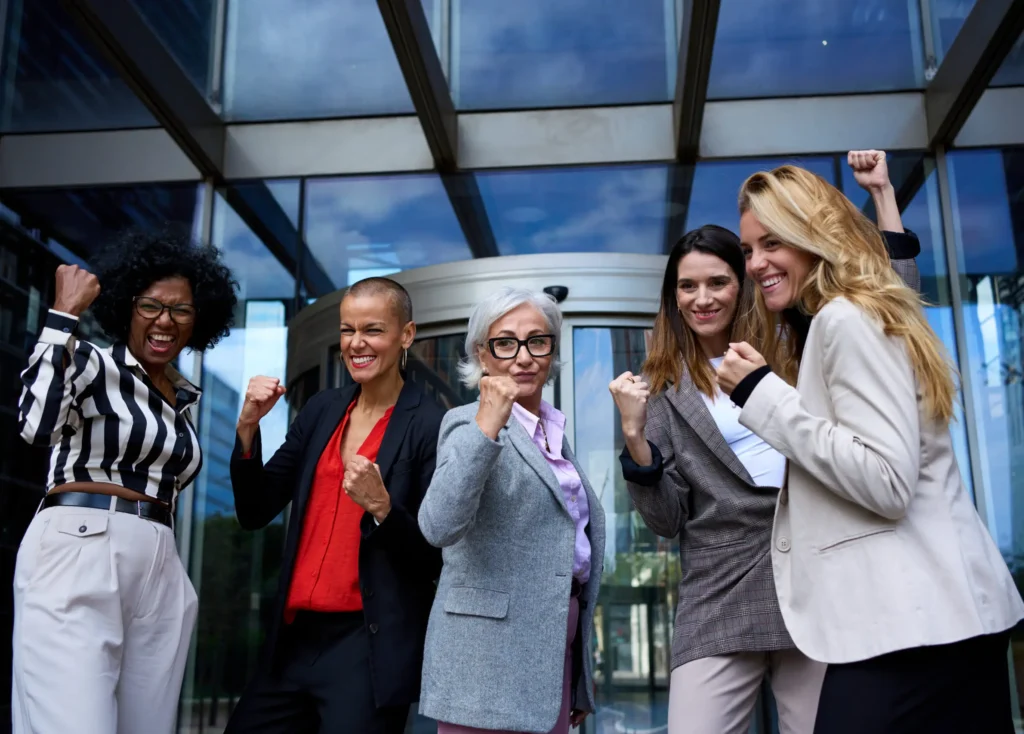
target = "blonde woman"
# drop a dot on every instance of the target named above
(882, 566)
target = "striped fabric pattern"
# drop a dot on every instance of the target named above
(103, 418)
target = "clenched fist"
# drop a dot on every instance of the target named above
(869, 169)
(260, 397)
(630, 394)
(740, 361)
(497, 395)
(76, 289)
(364, 485)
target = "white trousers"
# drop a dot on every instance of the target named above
(103, 614)
(716, 695)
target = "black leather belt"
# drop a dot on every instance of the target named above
(148, 510)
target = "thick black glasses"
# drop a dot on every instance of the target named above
(152, 309)
(507, 347)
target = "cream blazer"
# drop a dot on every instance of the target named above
(876, 545)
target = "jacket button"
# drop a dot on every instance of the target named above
(373, 628)
(82, 529)
(783, 544)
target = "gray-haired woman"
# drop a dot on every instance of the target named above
(508, 643)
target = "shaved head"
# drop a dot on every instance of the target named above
(397, 295)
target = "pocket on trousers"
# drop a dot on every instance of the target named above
(82, 526)
(476, 602)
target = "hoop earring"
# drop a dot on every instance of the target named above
(405, 360)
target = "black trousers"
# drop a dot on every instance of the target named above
(960, 688)
(321, 686)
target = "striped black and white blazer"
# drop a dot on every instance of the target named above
(103, 418)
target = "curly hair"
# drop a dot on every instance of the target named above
(139, 258)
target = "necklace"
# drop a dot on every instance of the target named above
(547, 446)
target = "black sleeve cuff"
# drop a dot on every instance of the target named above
(902, 245)
(60, 322)
(255, 451)
(646, 476)
(745, 389)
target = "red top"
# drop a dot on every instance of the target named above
(326, 574)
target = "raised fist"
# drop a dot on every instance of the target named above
(869, 168)
(630, 394)
(260, 397)
(497, 395)
(76, 289)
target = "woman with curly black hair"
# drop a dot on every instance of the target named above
(103, 607)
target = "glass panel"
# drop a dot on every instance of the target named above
(40, 230)
(772, 49)
(1011, 73)
(716, 185)
(299, 59)
(536, 53)
(612, 209)
(948, 18)
(53, 78)
(636, 606)
(433, 363)
(235, 571)
(987, 193)
(358, 227)
(186, 27)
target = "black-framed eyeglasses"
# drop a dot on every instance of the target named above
(152, 309)
(507, 347)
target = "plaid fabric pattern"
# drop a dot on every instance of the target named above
(727, 600)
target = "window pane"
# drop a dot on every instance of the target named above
(1011, 73)
(606, 209)
(537, 53)
(186, 27)
(948, 18)
(363, 226)
(987, 192)
(295, 59)
(769, 49)
(235, 571)
(55, 80)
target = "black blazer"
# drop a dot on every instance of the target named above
(397, 567)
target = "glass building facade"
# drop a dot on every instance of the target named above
(317, 142)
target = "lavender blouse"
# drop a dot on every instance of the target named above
(566, 474)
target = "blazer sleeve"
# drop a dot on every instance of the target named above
(263, 491)
(659, 492)
(870, 455)
(399, 534)
(903, 248)
(465, 458)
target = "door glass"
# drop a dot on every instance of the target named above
(633, 621)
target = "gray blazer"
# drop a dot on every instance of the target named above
(496, 639)
(701, 492)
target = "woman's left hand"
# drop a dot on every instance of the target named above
(740, 361)
(364, 485)
(576, 717)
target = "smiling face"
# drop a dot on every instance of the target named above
(778, 270)
(707, 291)
(157, 341)
(529, 372)
(372, 336)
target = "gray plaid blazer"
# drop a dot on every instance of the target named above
(700, 491)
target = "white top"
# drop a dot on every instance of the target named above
(765, 465)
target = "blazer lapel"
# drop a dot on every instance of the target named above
(529, 451)
(398, 426)
(690, 405)
(325, 428)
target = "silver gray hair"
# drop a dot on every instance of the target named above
(493, 308)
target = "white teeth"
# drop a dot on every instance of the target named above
(362, 360)
(769, 282)
(161, 337)
(706, 314)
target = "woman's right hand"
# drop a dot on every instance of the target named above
(497, 396)
(260, 398)
(630, 394)
(77, 288)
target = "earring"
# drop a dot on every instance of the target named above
(405, 359)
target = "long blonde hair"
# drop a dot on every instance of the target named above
(807, 213)
(674, 346)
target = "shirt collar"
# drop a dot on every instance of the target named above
(551, 416)
(122, 354)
